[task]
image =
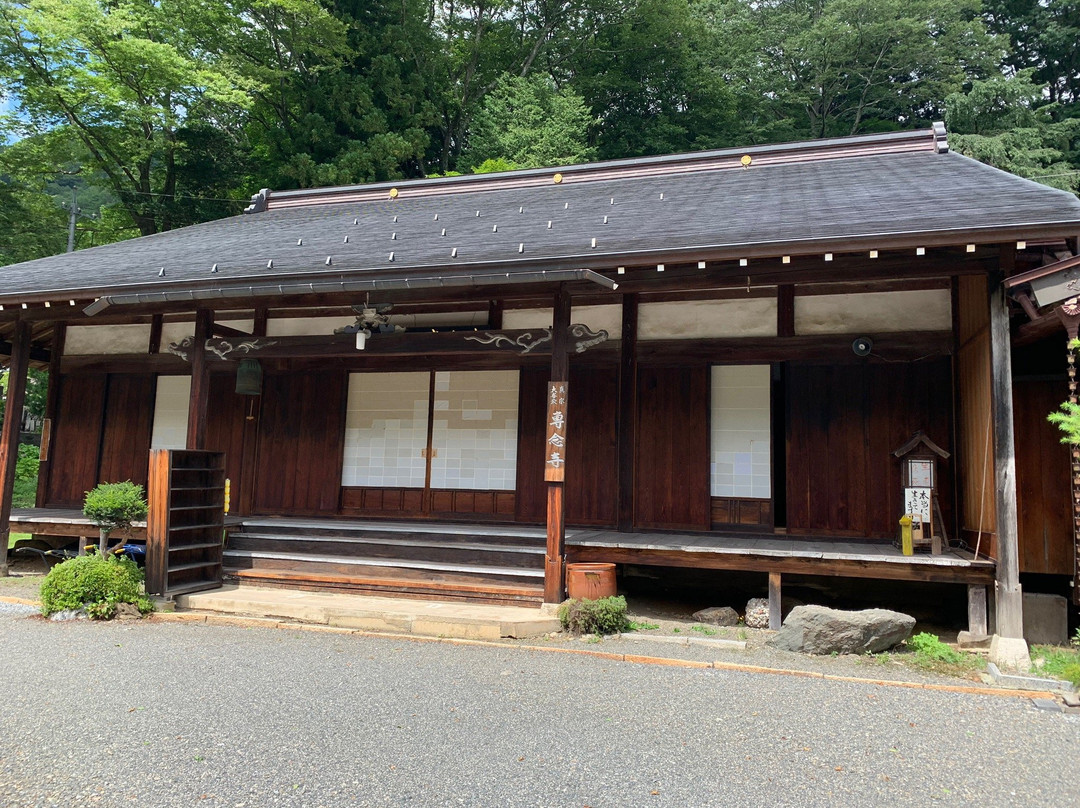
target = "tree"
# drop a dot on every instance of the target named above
(531, 124)
(151, 91)
(839, 67)
(1002, 122)
(1043, 37)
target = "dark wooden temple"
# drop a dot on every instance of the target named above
(745, 337)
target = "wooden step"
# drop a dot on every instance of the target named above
(467, 553)
(403, 531)
(246, 559)
(392, 583)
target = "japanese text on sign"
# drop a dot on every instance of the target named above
(555, 447)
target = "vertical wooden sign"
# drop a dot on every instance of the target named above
(555, 447)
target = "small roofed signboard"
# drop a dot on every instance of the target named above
(1058, 286)
(555, 447)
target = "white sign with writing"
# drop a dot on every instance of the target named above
(917, 502)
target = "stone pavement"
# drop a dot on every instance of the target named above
(474, 621)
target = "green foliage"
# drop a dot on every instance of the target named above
(530, 123)
(641, 625)
(930, 648)
(24, 494)
(91, 580)
(26, 467)
(1068, 421)
(1062, 662)
(603, 616)
(115, 505)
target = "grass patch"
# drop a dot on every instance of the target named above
(708, 632)
(643, 625)
(934, 655)
(14, 537)
(1058, 661)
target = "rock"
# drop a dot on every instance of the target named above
(718, 616)
(69, 614)
(1010, 654)
(757, 613)
(127, 611)
(820, 630)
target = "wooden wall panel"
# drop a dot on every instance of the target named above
(76, 440)
(128, 423)
(728, 512)
(226, 428)
(843, 424)
(445, 503)
(592, 457)
(671, 476)
(975, 441)
(1042, 479)
(301, 443)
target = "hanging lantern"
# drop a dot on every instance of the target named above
(249, 378)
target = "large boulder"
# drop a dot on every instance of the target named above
(820, 630)
(718, 616)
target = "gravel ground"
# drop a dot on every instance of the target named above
(168, 715)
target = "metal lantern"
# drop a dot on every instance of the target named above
(249, 378)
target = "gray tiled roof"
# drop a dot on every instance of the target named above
(793, 206)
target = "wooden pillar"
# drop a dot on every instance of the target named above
(258, 328)
(627, 411)
(977, 622)
(52, 403)
(9, 434)
(200, 381)
(1010, 601)
(775, 613)
(785, 310)
(555, 554)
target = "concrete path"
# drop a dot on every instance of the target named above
(474, 621)
(169, 715)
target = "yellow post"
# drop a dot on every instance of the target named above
(228, 490)
(906, 545)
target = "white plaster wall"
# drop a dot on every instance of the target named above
(704, 319)
(740, 432)
(607, 318)
(305, 326)
(874, 312)
(82, 340)
(474, 432)
(177, 332)
(386, 430)
(171, 412)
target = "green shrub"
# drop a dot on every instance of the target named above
(603, 616)
(26, 466)
(115, 505)
(929, 648)
(24, 493)
(92, 581)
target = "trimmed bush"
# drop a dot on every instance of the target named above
(93, 582)
(115, 505)
(603, 616)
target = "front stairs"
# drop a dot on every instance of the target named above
(476, 563)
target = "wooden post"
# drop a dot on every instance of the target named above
(200, 381)
(555, 556)
(977, 622)
(9, 434)
(1010, 600)
(785, 310)
(775, 617)
(626, 417)
(52, 403)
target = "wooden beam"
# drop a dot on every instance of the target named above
(626, 416)
(9, 433)
(36, 353)
(555, 552)
(1010, 601)
(785, 310)
(157, 324)
(52, 401)
(200, 382)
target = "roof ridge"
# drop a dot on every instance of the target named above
(933, 140)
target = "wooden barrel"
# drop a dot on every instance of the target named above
(590, 581)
